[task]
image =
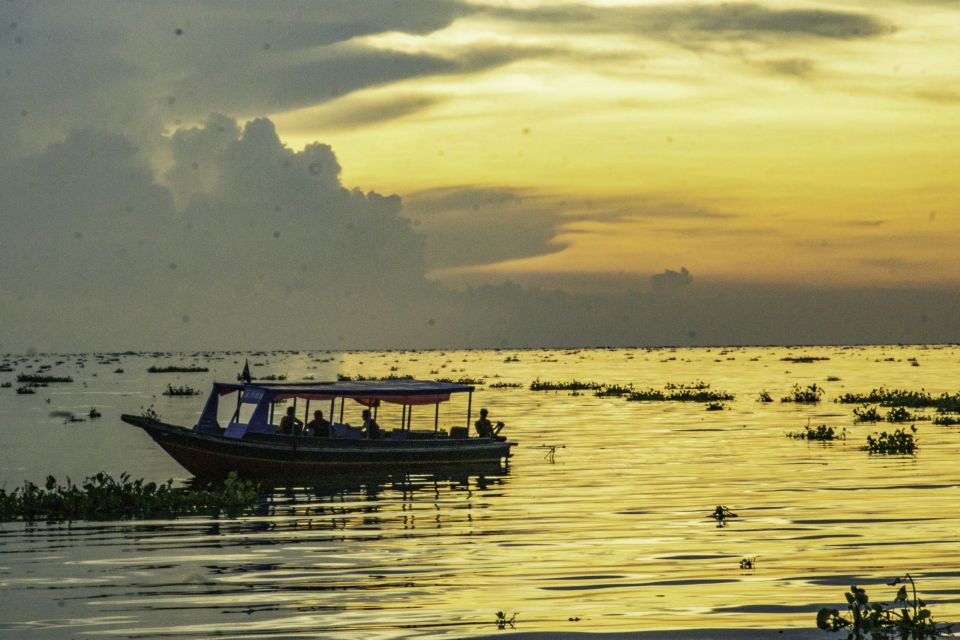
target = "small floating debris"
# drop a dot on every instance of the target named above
(721, 513)
(94, 414)
(748, 563)
(175, 369)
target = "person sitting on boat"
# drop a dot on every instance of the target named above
(321, 427)
(485, 428)
(289, 424)
(370, 427)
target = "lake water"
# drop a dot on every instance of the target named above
(613, 529)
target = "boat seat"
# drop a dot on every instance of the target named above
(345, 431)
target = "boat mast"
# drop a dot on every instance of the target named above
(469, 407)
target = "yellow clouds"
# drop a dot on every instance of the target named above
(803, 123)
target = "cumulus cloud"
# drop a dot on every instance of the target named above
(671, 279)
(264, 238)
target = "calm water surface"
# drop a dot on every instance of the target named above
(613, 530)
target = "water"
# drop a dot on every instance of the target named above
(613, 530)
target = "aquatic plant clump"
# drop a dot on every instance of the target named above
(182, 390)
(803, 359)
(811, 394)
(572, 385)
(101, 497)
(904, 398)
(614, 390)
(679, 393)
(899, 442)
(897, 414)
(907, 617)
(822, 433)
(463, 380)
(505, 385)
(30, 378)
(174, 369)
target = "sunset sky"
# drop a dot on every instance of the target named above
(582, 147)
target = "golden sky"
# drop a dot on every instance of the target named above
(812, 142)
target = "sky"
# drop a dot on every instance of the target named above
(428, 173)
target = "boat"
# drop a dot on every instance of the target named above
(250, 444)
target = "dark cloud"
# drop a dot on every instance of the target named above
(795, 67)
(679, 22)
(134, 66)
(466, 225)
(351, 114)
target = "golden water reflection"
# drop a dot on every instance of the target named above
(615, 531)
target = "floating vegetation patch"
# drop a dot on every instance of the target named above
(505, 385)
(907, 617)
(6, 385)
(764, 396)
(899, 442)
(614, 390)
(748, 563)
(715, 406)
(573, 385)
(698, 392)
(25, 390)
(904, 398)
(896, 415)
(820, 433)
(40, 379)
(946, 420)
(721, 513)
(810, 394)
(175, 369)
(182, 390)
(463, 380)
(503, 621)
(803, 359)
(272, 378)
(101, 497)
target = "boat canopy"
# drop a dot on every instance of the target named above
(366, 392)
(363, 391)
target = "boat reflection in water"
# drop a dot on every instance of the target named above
(355, 501)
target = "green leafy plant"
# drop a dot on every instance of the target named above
(906, 618)
(821, 433)
(811, 394)
(149, 413)
(102, 497)
(182, 390)
(898, 442)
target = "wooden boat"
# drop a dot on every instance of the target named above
(250, 444)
